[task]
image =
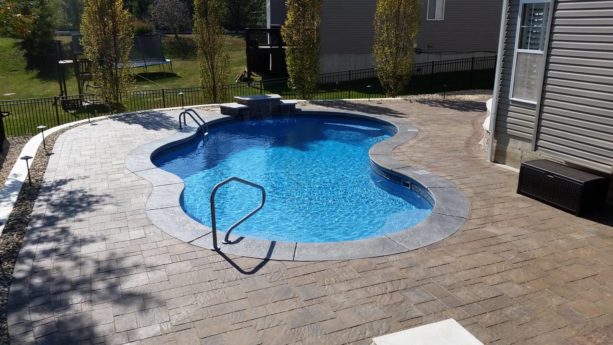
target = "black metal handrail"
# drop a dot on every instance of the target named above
(233, 226)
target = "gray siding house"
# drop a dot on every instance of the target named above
(553, 95)
(450, 29)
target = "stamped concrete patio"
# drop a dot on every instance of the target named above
(94, 269)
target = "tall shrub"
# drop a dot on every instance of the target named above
(211, 48)
(107, 40)
(396, 25)
(301, 35)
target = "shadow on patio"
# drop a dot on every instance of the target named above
(152, 120)
(458, 105)
(370, 107)
(67, 286)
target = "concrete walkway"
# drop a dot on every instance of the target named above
(95, 270)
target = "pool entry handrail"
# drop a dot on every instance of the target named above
(195, 117)
(213, 218)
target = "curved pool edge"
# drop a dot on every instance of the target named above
(450, 211)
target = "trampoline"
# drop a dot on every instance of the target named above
(146, 51)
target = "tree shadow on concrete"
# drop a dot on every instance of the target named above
(458, 105)
(151, 120)
(364, 107)
(66, 286)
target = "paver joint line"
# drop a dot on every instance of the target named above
(95, 267)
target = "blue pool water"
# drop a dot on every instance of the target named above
(316, 172)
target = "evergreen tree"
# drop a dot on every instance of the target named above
(396, 25)
(301, 35)
(212, 53)
(241, 14)
(107, 40)
(38, 44)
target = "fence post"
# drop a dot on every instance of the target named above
(432, 77)
(57, 111)
(163, 99)
(472, 70)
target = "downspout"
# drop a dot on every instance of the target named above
(495, 95)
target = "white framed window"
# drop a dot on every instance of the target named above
(436, 10)
(530, 42)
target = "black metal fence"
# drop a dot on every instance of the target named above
(437, 76)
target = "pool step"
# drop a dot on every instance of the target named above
(259, 105)
(234, 109)
(287, 107)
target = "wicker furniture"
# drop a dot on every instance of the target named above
(568, 188)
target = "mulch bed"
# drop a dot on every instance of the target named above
(14, 231)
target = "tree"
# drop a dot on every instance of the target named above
(396, 25)
(66, 13)
(241, 14)
(301, 35)
(210, 43)
(139, 8)
(172, 15)
(38, 44)
(107, 40)
(16, 17)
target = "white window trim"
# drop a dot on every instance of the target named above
(528, 51)
(428, 12)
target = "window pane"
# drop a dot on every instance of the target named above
(527, 75)
(436, 9)
(440, 9)
(533, 26)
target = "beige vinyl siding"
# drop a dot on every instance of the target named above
(513, 118)
(576, 121)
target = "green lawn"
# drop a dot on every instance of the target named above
(17, 83)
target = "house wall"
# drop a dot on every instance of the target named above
(514, 120)
(469, 26)
(470, 29)
(575, 117)
(346, 35)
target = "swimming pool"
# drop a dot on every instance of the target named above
(317, 173)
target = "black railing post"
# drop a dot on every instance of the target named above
(57, 110)
(472, 70)
(163, 99)
(432, 76)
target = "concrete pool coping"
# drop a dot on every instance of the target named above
(450, 211)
